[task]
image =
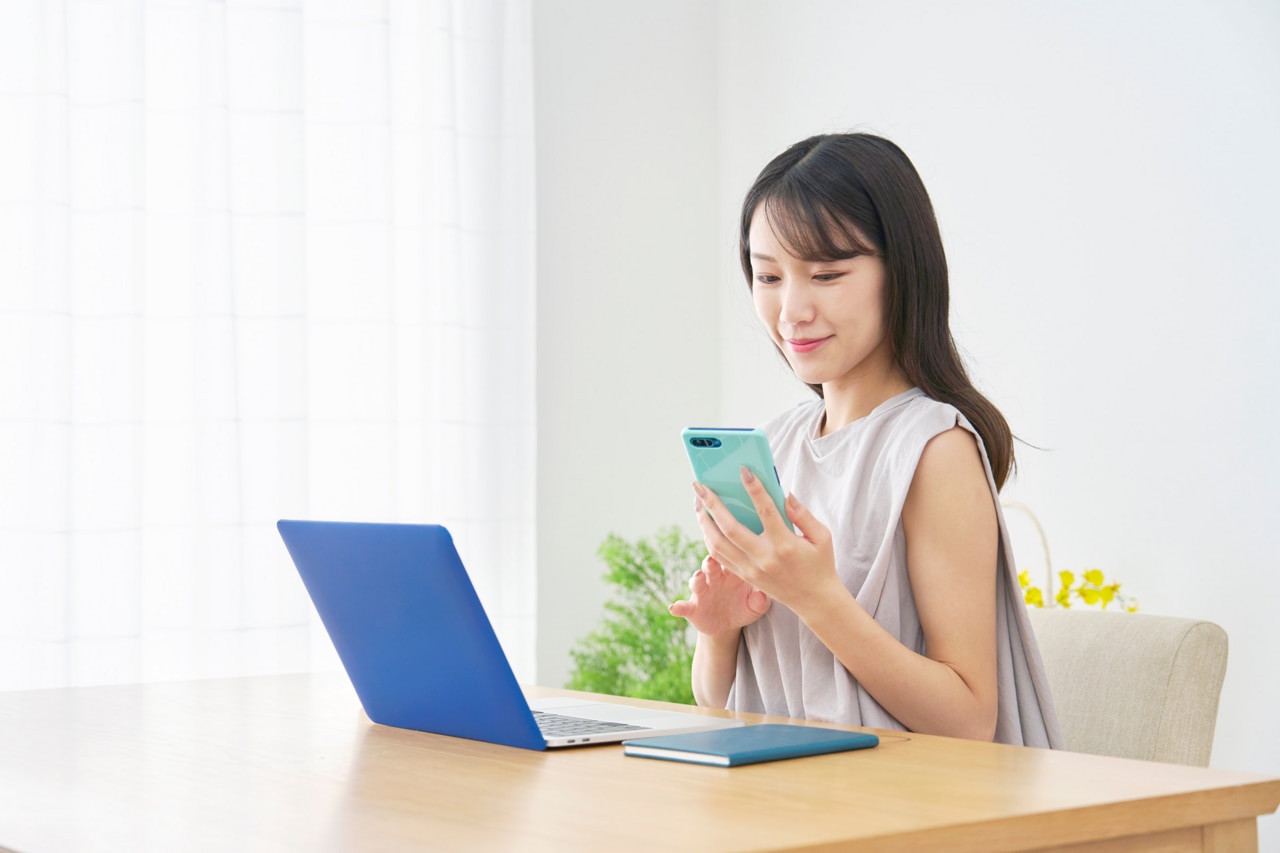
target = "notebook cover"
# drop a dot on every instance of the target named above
(748, 744)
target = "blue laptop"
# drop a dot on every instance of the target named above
(420, 651)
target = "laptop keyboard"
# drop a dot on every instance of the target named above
(558, 725)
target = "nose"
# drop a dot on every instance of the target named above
(796, 306)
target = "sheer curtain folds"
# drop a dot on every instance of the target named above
(257, 260)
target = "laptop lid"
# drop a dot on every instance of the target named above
(409, 629)
(421, 653)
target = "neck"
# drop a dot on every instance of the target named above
(852, 398)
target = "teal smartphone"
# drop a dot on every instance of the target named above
(717, 456)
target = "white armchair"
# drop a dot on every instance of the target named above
(1133, 685)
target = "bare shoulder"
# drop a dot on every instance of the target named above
(952, 534)
(951, 453)
(950, 475)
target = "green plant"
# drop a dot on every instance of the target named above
(640, 649)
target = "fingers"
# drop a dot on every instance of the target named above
(763, 502)
(709, 504)
(712, 567)
(770, 561)
(806, 522)
(697, 582)
(720, 530)
(701, 584)
(740, 550)
(758, 602)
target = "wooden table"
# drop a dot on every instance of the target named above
(291, 763)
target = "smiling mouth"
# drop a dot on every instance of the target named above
(805, 345)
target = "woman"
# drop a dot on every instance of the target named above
(895, 603)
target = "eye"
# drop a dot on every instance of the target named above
(825, 277)
(765, 278)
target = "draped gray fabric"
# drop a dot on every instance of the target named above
(855, 481)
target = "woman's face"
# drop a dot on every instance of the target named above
(827, 317)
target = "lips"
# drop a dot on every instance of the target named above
(806, 344)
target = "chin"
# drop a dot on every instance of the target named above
(807, 373)
(808, 377)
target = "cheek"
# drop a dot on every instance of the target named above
(766, 307)
(868, 314)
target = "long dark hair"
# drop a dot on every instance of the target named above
(830, 195)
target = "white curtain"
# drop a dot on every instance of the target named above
(257, 260)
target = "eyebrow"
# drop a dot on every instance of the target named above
(759, 256)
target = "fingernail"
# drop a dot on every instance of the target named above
(697, 504)
(699, 488)
(747, 476)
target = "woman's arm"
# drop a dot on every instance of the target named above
(952, 535)
(949, 519)
(715, 663)
(719, 605)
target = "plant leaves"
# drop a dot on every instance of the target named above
(639, 649)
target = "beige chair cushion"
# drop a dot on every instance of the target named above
(1131, 684)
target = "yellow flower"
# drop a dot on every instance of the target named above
(1092, 590)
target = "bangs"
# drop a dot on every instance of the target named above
(812, 228)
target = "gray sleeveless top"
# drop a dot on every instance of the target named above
(855, 481)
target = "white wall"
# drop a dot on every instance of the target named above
(1105, 178)
(628, 340)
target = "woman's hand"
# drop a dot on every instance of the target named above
(798, 570)
(720, 603)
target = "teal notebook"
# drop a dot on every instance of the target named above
(748, 744)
